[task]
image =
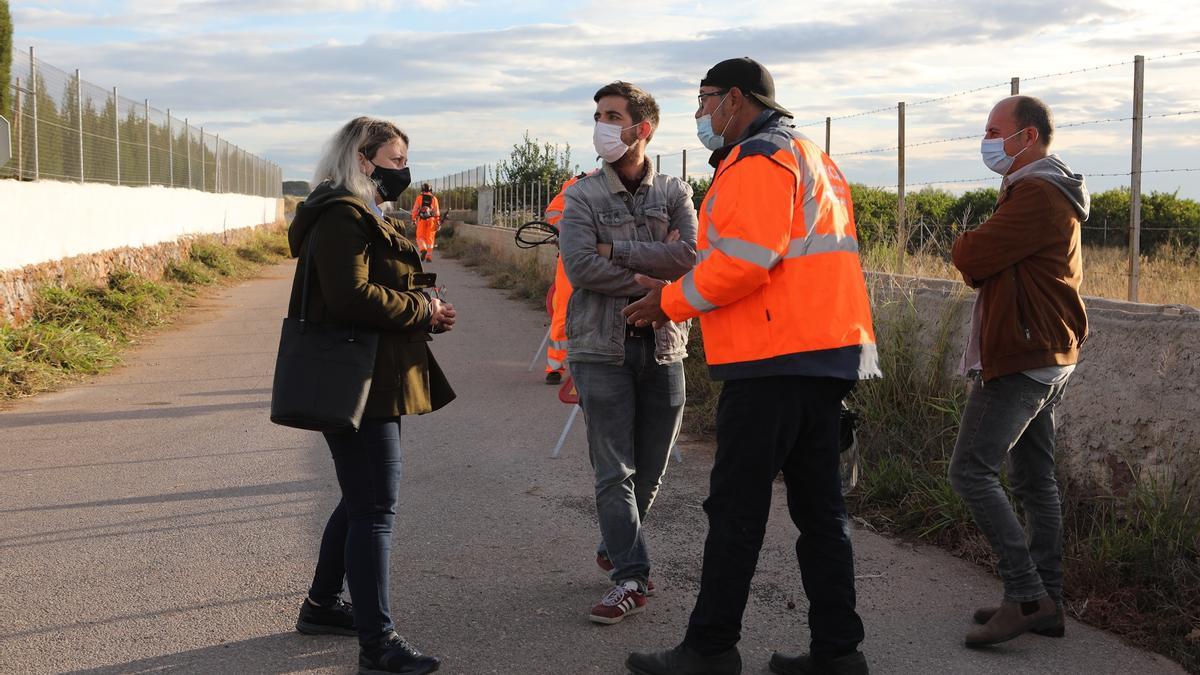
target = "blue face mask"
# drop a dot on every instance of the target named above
(994, 155)
(704, 130)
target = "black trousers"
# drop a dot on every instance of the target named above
(764, 426)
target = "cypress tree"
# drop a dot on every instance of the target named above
(6, 95)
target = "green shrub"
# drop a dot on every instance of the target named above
(189, 272)
(215, 257)
(78, 329)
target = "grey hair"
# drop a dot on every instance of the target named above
(339, 159)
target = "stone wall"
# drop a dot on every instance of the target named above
(18, 287)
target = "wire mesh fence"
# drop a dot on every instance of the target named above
(65, 128)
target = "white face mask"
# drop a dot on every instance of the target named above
(705, 132)
(606, 138)
(994, 155)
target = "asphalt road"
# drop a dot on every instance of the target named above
(153, 520)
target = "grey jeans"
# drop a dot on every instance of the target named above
(1013, 416)
(633, 413)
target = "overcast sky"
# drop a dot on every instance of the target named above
(467, 78)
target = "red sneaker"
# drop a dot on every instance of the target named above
(617, 604)
(605, 564)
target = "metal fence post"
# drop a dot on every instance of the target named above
(79, 119)
(170, 151)
(33, 90)
(1015, 86)
(1135, 180)
(19, 130)
(217, 164)
(901, 225)
(684, 174)
(187, 141)
(146, 108)
(117, 131)
(828, 127)
(203, 162)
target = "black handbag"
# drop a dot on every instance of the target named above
(323, 371)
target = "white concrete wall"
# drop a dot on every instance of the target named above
(48, 220)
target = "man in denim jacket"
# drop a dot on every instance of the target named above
(623, 228)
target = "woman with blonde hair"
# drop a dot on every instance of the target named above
(367, 274)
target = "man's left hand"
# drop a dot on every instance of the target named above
(647, 311)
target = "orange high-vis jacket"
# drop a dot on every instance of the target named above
(416, 209)
(556, 350)
(778, 286)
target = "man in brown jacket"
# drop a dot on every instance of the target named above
(1026, 330)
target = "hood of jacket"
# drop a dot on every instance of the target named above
(307, 212)
(1056, 172)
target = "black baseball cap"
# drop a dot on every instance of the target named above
(747, 75)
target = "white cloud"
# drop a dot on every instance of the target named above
(465, 96)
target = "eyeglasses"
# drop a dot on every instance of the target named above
(700, 97)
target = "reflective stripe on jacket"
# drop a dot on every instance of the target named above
(778, 287)
(556, 350)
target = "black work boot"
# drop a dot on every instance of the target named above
(335, 619)
(393, 654)
(853, 663)
(683, 661)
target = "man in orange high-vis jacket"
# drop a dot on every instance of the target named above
(786, 321)
(426, 215)
(556, 350)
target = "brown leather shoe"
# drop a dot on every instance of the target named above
(1012, 620)
(1059, 629)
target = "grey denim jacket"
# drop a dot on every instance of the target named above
(599, 210)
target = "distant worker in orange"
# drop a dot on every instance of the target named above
(556, 349)
(426, 216)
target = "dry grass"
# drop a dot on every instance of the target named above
(1169, 277)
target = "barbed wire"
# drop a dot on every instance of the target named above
(935, 182)
(985, 87)
(1130, 173)
(1076, 71)
(992, 178)
(956, 94)
(1069, 125)
(1171, 56)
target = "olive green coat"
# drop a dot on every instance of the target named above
(366, 273)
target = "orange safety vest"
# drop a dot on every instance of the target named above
(432, 206)
(778, 285)
(556, 350)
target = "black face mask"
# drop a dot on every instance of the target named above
(390, 183)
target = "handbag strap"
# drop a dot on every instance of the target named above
(310, 243)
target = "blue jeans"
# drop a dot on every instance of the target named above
(1013, 416)
(357, 543)
(633, 413)
(765, 426)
